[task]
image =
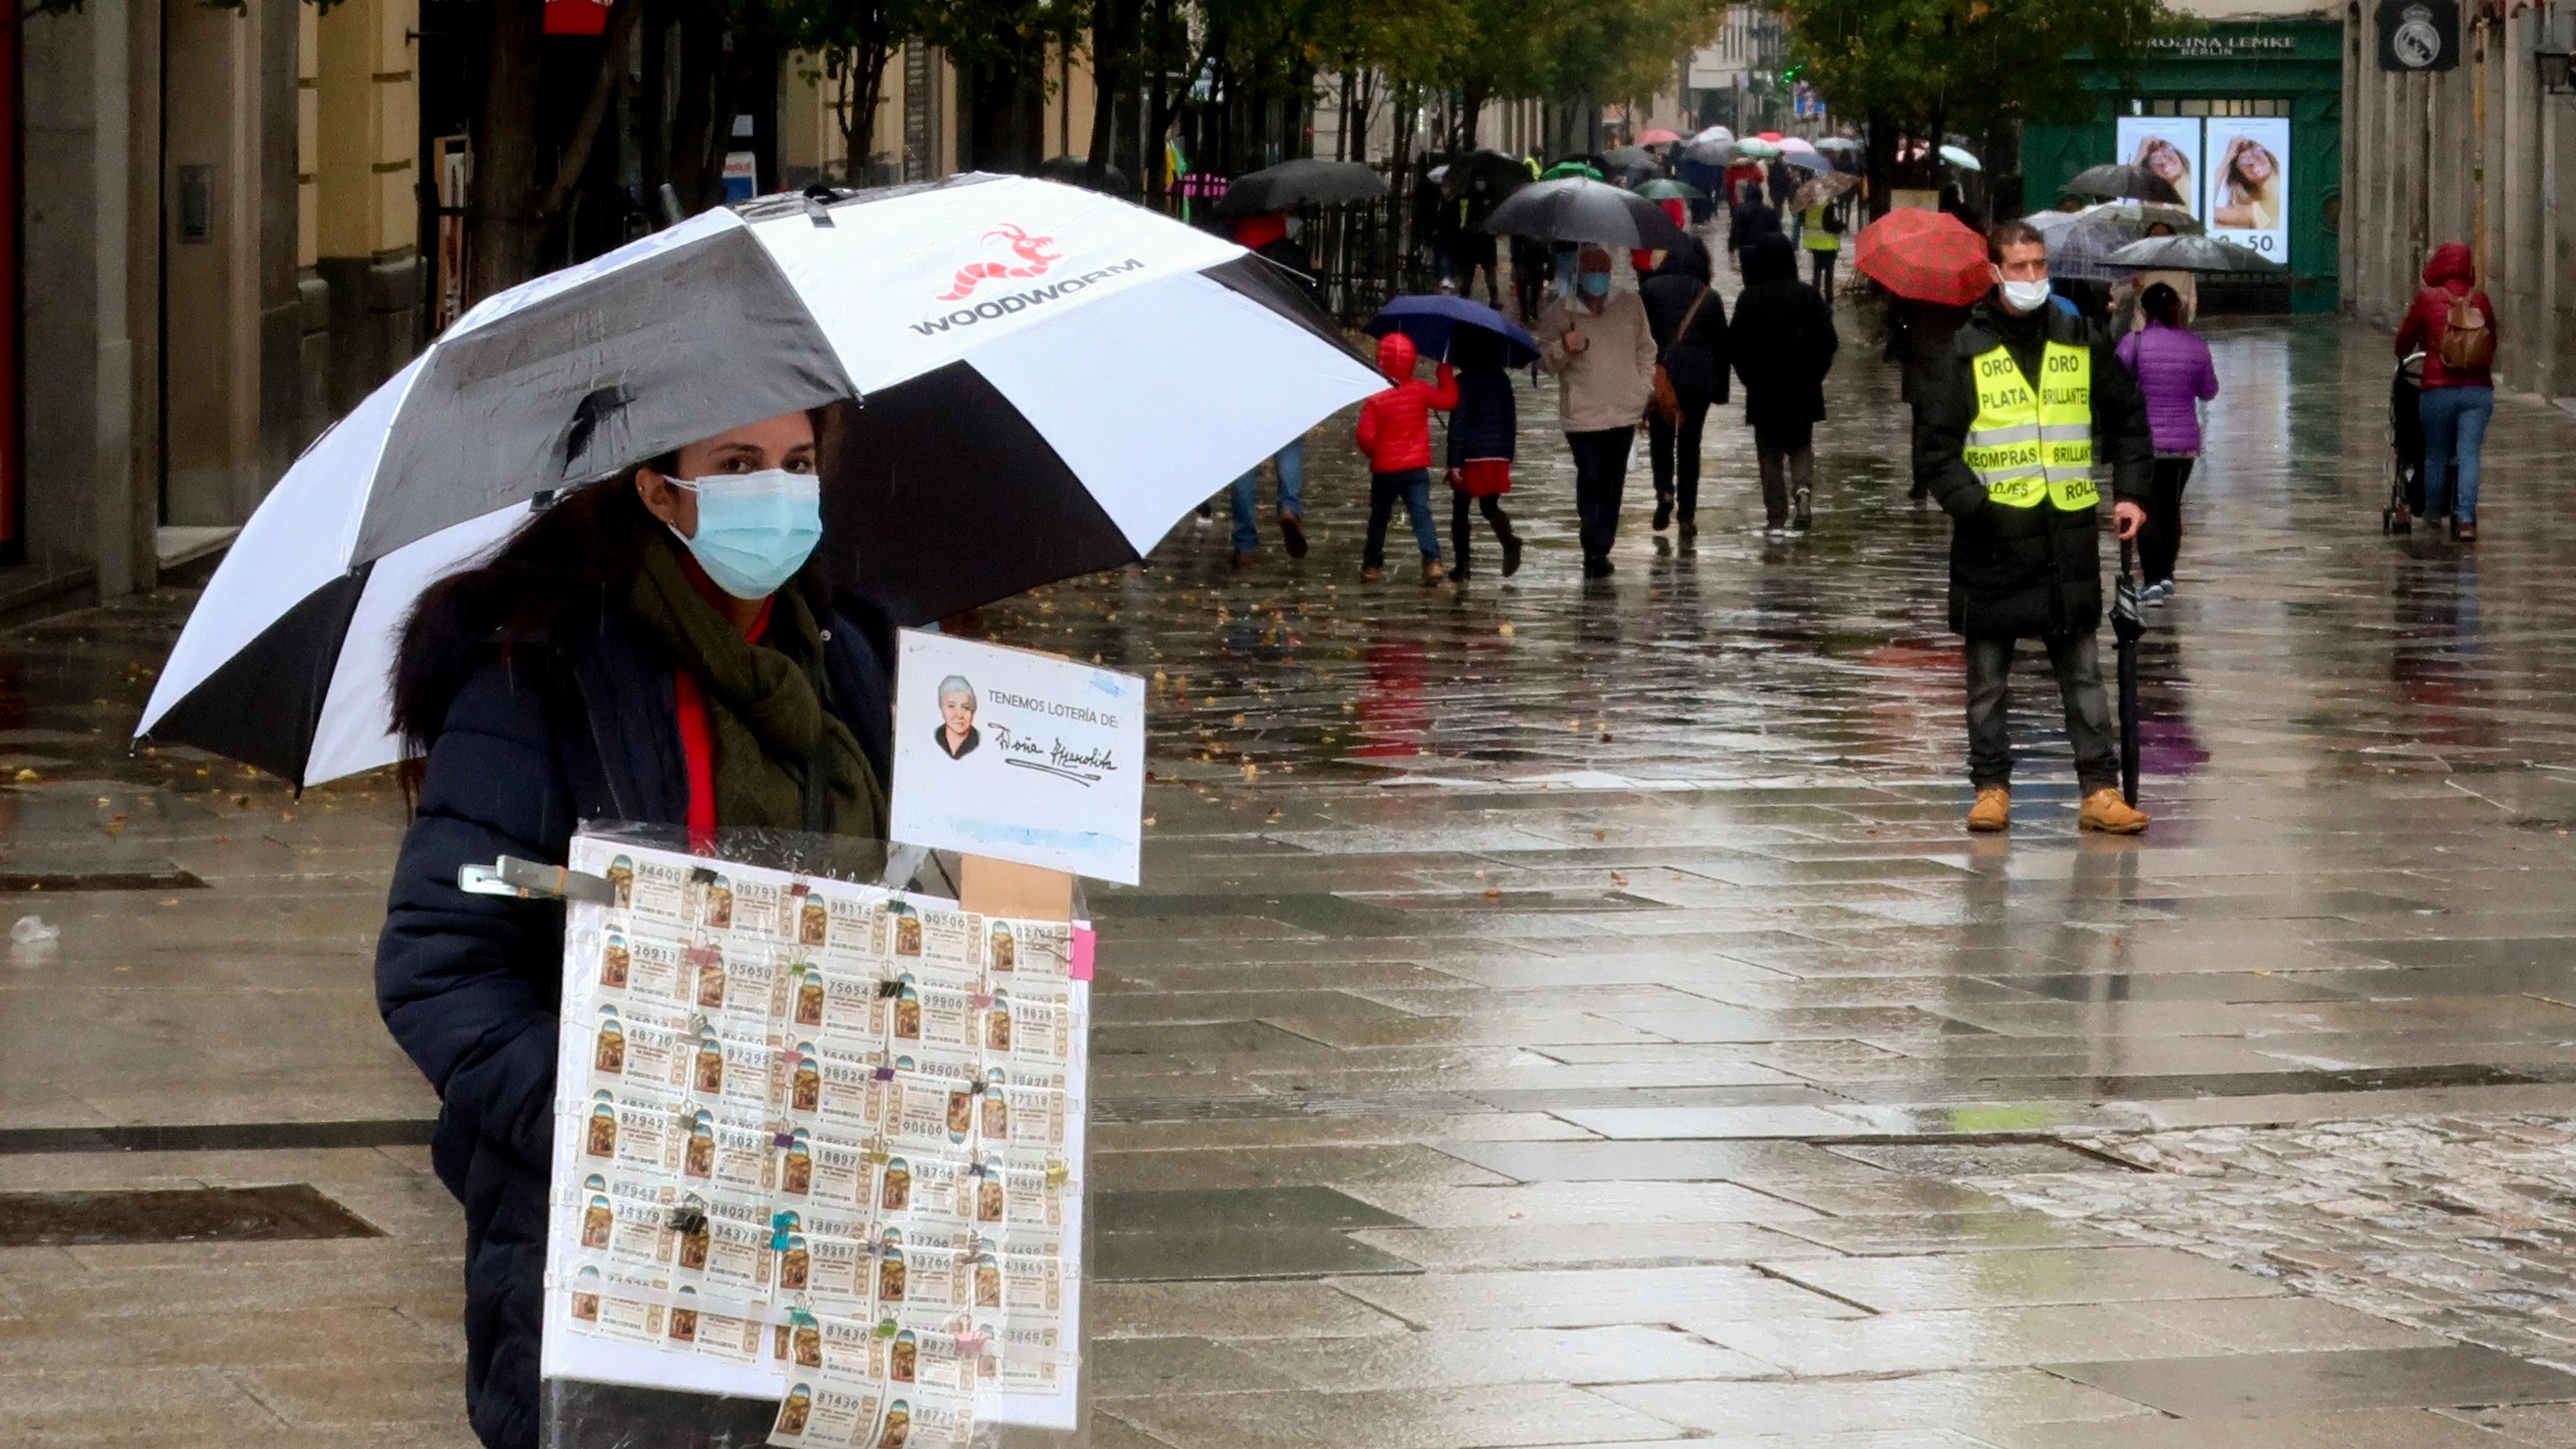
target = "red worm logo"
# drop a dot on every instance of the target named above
(1035, 253)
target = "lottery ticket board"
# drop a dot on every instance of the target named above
(819, 1143)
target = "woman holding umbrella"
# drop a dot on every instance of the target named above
(1602, 350)
(656, 648)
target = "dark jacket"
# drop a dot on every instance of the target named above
(2026, 572)
(1782, 340)
(1486, 421)
(1697, 363)
(2449, 274)
(574, 722)
(1918, 340)
(1300, 266)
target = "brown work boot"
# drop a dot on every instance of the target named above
(1369, 573)
(2105, 811)
(1292, 531)
(1432, 573)
(1993, 810)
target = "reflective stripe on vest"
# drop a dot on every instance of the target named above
(2027, 449)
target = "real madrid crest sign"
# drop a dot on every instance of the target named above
(2419, 34)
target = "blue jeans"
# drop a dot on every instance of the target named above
(1292, 493)
(1414, 487)
(2455, 428)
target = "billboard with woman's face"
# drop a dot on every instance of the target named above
(2249, 183)
(2167, 147)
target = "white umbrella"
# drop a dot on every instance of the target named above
(1961, 159)
(1715, 146)
(1838, 143)
(1049, 378)
(1757, 148)
(1798, 151)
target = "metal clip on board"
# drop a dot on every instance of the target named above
(530, 880)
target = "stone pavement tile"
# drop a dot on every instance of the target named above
(1482, 1028)
(1589, 1297)
(2249, 1386)
(2552, 1425)
(105, 1405)
(1969, 1402)
(1342, 1166)
(1726, 1123)
(2280, 1325)
(382, 1391)
(1664, 1161)
(1447, 1359)
(1467, 1418)
(1221, 1132)
(1534, 1245)
(2554, 1099)
(1132, 1367)
(175, 1338)
(2374, 1429)
(1586, 1202)
(1229, 1311)
(1890, 1194)
(2048, 1275)
(1900, 1234)
(1892, 1343)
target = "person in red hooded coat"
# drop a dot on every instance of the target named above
(2459, 387)
(1395, 433)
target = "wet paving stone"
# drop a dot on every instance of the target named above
(1205, 1235)
(177, 1215)
(2249, 1386)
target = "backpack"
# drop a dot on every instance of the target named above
(1833, 220)
(2467, 344)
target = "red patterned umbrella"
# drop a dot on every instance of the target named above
(1930, 256)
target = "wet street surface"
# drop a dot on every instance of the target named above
(1554, 1013)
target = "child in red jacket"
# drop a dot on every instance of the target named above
(1395, 433)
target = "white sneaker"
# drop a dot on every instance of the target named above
(2156, 593)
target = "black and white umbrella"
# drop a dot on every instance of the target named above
(1577, 209)
(1047, 379)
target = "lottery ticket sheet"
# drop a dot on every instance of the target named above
(818, 1143)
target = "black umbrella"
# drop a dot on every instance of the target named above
(2190, 254)
(2111, 181)
(2128, 625)
(1076, 171)
(1633, 158)
(1580, 210)
(1277, 188)
(1503, 174)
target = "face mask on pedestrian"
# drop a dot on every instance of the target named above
(1594, 284)
(755, 530)
(2026, 296)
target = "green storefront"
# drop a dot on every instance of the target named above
(2273, 87)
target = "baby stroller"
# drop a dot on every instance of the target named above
(2405, 448)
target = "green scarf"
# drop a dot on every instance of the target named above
(768, 721)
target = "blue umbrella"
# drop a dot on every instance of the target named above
(1430, 320)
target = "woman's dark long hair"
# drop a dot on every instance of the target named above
(561, 569)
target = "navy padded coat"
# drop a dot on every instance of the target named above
(545, 733)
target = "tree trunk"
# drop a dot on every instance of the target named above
(594, 110)
(1882, 159)
(1158, 114)
(653, 105)
(701, 37)
(504, 233)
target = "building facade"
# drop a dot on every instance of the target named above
(2472, 153)
(2248, 114)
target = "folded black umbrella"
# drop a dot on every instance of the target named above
(1580, 210)
(1291, 183)
(2128, 625)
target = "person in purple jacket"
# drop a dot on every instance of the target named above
(2174, 373)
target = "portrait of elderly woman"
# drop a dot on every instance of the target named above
(956, 733)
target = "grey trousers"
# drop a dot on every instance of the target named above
(2076, 660)
(1788, 461)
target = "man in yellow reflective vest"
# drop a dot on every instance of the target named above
(2008, 432)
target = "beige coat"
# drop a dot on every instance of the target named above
(1606, 384)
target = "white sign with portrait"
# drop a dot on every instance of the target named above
(2248, 192)
(1018, 756)
(2169, 147)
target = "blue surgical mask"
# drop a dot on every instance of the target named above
(1596, 284)
(755, 530)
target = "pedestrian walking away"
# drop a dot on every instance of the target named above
(1782, 343)
(1483, 439)
(2454, 326)
(2174, 376)
(1289, 464)
(1533, 267)
(2009, 432)
(1820, 231)
(1918, 342)
(1689, 323)
(1395, 435)
(658, 647)
(1602, 350)
(1475, 247)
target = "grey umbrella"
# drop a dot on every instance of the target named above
(1276, 188)
(2190, 254)
(2083, 247)
(1633, 158)
(1577, 209)
(2112, 181)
